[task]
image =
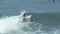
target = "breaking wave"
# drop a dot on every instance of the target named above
(16, 25)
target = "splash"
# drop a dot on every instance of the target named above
(10, 23)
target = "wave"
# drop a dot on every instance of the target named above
(16, 25)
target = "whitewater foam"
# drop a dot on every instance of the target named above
(10, 23)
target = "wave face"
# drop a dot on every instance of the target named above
(16, 25)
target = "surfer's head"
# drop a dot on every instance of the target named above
(24, 15)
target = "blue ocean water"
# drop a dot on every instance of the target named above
(13, 7)
(45, 17)
(40, 23)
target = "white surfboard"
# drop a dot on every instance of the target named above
(28, 16)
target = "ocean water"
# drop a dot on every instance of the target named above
(40, 23)
(45, 17)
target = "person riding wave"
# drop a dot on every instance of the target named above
(26, 17)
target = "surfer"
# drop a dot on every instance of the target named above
(26, 17)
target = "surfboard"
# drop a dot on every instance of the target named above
(28, 16)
